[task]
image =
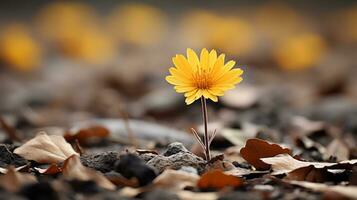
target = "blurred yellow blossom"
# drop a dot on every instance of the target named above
(89, 45)
(227, 33)
(18, 49)
(74, 29)
(299, 52)
(61, 20)
(137, 24)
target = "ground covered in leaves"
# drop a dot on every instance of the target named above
(263, 150)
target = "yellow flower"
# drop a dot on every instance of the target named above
(207, 76)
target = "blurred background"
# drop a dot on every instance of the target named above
(65, 61)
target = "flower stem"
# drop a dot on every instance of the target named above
(205, 122)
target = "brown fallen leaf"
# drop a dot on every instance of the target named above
(217, 180)
(119, 180)
(309, 173)
(337, 149)
(255, 149)
(73, 169)
(51, 170)
(347, 191)
(282, 164)
(181, 180)
(13, 180)
(46, 149)
(88, 135)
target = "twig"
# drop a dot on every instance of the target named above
(125, 117)
(197, 137)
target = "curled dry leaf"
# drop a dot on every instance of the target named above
(255, 149)
(46, 149)
(216, 179)
(347, 191)
(88, 135)
(14, 180)
(73, 169)
(50, 170)
(282, 164)
(181, 179)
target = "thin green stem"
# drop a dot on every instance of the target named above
(205, 122)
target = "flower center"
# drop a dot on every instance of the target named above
(203, 80)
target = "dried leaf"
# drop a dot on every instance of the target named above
(119, 180)
(347, 191)
(86, 136)
(309, 173)
(73, 169)
(46, 149)
(337, 149)
(285, 163)
(182, 179)
(14, 180)
(51, 170)
(216, 179)
(255, 149)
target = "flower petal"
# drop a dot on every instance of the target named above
(192, 58)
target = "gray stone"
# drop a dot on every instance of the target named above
(103, 162)
(7, 157)
(175, 148)
(177, 161)
(147, 156)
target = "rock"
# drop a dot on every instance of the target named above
(176, 161)
(175, 148)
(147, 156)
(130, 165)
(160, 163)
(187, 169)
(103, 162)
(7, 157)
